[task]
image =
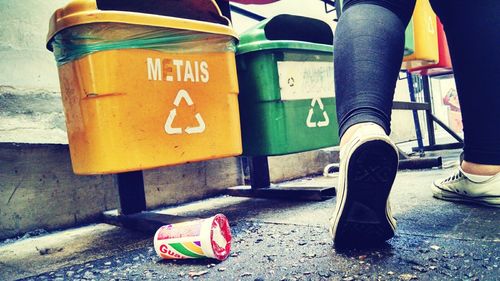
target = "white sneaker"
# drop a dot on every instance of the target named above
(368, 166)
(458, 187)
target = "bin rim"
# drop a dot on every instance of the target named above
(282, 44)
(59, 22)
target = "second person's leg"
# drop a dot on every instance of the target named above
(473, 33)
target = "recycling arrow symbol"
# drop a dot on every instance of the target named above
(183, 94)
(323, 123)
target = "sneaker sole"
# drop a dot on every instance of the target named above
(363, 217)
(442, 194)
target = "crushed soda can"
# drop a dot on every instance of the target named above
(205, 238)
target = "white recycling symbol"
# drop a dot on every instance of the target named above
(323, 123)
(183, 94)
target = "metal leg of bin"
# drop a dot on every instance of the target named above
(261, 186)
(132, 212)
(259, 172)
(407, 162)
(416, 120)
(428, 113)
(131, 192)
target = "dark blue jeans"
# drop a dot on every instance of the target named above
(369, 43)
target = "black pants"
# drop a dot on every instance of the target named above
(369, 44)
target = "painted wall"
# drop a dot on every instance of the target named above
(30, 103)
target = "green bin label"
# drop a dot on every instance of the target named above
(303, 80)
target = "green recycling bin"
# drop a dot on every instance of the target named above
(286, 81)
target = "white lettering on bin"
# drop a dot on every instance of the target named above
(204, 71)
(197, 71)
(177, 70)
(183, 94)
(154, 69)
(178, 64)
(188, 72)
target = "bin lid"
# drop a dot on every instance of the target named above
(195, 15)
(287, 32)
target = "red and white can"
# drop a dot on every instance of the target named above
(205, 238)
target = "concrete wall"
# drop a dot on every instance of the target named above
(179, 184)
(31, 116)
(39, 190)
(24, 61)
(297, 165)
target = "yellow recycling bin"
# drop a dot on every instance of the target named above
(142, 90)
(426, 49)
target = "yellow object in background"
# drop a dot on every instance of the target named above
(425, 37)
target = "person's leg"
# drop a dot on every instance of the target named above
(472, 30)
(369, 42)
